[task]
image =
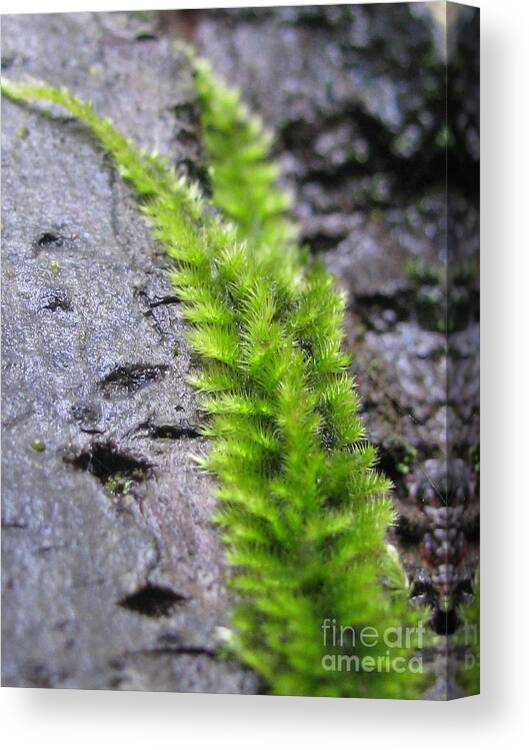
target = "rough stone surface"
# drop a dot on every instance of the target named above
(112, 570)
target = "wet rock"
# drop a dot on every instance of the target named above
(107, 539)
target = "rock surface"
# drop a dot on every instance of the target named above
(112, 570)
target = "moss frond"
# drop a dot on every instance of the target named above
(303, 512)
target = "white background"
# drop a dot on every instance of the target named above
(499, 717)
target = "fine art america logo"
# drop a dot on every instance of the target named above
(387, 647)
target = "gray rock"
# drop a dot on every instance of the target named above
(113, 575)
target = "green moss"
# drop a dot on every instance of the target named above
(303, 512)
(118, 484)
(54, 267)
(243, 177)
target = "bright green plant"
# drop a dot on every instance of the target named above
(243, 177)
(302, 511)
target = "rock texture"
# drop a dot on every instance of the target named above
(112, 571)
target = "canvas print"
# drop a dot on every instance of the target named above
(240, 350)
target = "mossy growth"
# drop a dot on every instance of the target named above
(118, 484)
(243, 177)
(403, 467)
(54, 267)
(302, 510)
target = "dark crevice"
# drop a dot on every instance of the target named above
(297, 137)
(421, 588)
(48, 238)
(171, 643)
(444, 623)
(13, 525)
(152, 601)
(127, 379)
(53, 238)
(395, 463)
(115, 469)
(321, 242)
(426, 305)
(176, 651)
(7, 62)
(168, 299)
(155, 307)
(173, 431)
(409, 531)
(145, 36)
(168, 431)
(55, 299)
